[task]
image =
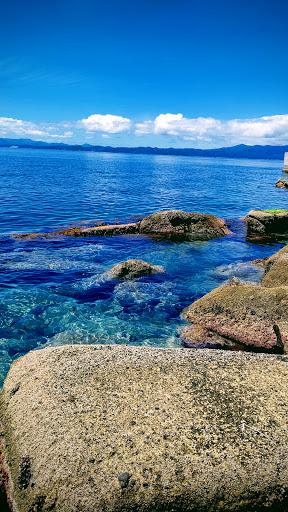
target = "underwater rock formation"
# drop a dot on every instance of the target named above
(113, 428)
(133, 268)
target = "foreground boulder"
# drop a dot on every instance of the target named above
(122, 429)
(133, 268)
(282, 183)
(198, 226)
(267, 224)
(239, 316)
(194, 226)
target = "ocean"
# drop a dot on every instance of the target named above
(55, 291)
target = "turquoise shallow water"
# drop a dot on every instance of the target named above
(55, 291)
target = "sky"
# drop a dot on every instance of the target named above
(181, 73)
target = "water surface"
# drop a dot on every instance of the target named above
(55, 291)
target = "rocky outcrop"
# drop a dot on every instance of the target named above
(194, 226)
(276, 269)
(121, 429)
(239, 316)
(198, 226)
(267, 224)
(282, 183)
(104, 230)
(133, 268)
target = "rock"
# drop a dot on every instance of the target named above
(121, 429)
(267, 224)
(276, 269)
(282, 183)
(247, 316)
(195, 336)
(133, 268)
(105, 230)
(197, 226)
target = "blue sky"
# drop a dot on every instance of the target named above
(196, 73)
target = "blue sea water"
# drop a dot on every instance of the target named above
(55, 291)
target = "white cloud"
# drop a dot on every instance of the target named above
(107, 123)
(176, 128)
(210, 131)
(11, 127)
(177, 124)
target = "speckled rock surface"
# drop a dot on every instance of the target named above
(276, 269)
(91, 428)
(133, 268)
(245, 316)
(198, 226)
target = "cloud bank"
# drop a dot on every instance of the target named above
(164, 129)
(262, 130)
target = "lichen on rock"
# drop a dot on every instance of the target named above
(263, 224)
(140, 429)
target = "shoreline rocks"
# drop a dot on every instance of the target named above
(198, 226)
(120, 428)
(267, 224)
(281, 183)
(167, 224)
(244, 316)
(133, 268)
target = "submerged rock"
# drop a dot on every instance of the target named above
(246, 316)
(121, 429)
(105, 230)
(282, 183)
(267, 224)
(133, 268)
(198, 226)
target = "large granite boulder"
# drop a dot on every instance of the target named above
(267, 224)
(276, 269)
(198, 226)
(133, 268)
(239, 316)
(122, 429)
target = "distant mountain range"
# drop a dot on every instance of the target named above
(240, 151)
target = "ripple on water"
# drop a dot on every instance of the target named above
(56, 291)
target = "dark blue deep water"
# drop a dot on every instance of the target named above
(55, 291)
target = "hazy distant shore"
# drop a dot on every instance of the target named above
(239, 151)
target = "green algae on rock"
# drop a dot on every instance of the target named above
(133, 268)
(263, 224)
(122, 429)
